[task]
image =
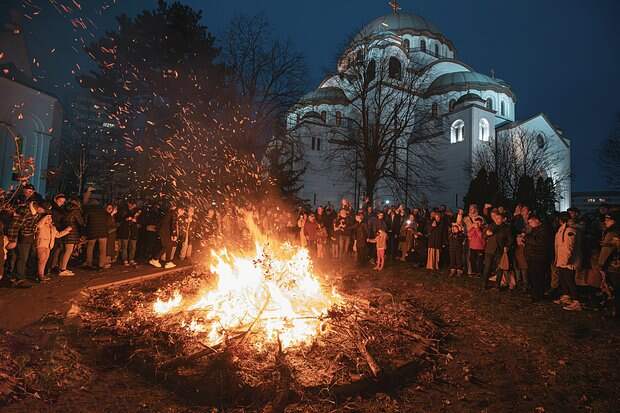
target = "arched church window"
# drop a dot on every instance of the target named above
(540, 141)
(423, 45)
(394, 68)
(406, 45)
(436, 49)
(456, 131)
(484, 130)
(338, 118)
(371, 70)
(502, 110)
(451, 105)
(434, 110)
(324, 116)
(490, 104)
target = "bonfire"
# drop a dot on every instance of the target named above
(261, 324)
(273, 294)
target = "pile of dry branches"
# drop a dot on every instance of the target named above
(370, 340)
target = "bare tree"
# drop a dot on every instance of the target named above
(269, 74)
(285, 165)
(519, 153)
(610, 156)
(387, 137)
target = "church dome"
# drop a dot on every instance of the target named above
(329, 95)
(469, 97)
(398, 23)
(457, 81)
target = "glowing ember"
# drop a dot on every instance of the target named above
(274, 294)
(163, 307)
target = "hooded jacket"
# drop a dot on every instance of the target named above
(567, 248)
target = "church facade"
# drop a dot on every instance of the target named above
(469, 112)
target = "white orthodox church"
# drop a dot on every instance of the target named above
(471, 109)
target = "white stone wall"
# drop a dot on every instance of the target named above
(36, 118)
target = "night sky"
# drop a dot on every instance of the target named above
(561, 57)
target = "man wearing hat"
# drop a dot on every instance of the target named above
(28, 194)
(609, 258)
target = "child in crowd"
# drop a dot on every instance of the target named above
(45, 237)
(456, 243)
(381, 241)
(476, 245)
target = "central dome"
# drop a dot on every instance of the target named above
(397, 23)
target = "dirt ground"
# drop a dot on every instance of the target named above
(500, 353)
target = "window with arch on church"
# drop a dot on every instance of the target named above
(434, 110)
(484, 130)
(490, 104)
(394, 68)
(324, 116)
(338, 118)
(423, 45)
(371, 70)
(318, 144)
(436, 50)
(456, 131)
(313, 143)
(502, 110)
(451, 105)
(406, 45)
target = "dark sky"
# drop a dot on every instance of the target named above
(561, 57)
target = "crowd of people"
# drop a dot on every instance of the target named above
(41, 238)
(570, 258)
(567, 257)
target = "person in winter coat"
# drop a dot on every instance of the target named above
(58, 218)
(186, 234)
(436, 241)
(21, 236)
(128, 232)
(342, 234)
(72, 219)
(567, 261)
(45, 238)
(456, 245)
(168, 233)
(360, 235)
(609, 258)
(407, 237)
(469, 222)
(477, 245)
(537, 255)
(112, 244)
(498, 242)
(310, 233)
(97, 223)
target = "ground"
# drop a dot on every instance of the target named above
(499, 353)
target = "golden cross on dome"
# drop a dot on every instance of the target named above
(395, 6)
